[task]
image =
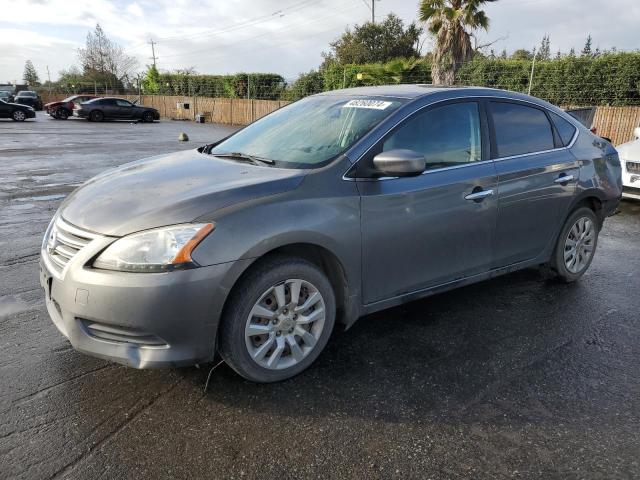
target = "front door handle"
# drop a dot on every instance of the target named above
(564, 179)
(476, 196)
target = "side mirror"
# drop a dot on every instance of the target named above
(636, 132)
(400, 163)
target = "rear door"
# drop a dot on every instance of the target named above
(536, 179)
(434, 228)
(110, 108)
(5, 110)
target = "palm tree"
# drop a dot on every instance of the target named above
(452, 22)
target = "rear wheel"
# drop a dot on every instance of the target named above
(96, 116)
(576, 245)
(18, 116)
(278, 320)
(147, 117)
(61, 113)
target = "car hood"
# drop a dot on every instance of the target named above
(53, 104)
(629, 150)
(170, 189)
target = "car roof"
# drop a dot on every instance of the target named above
(413, 91)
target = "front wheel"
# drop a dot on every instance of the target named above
(62, 114)
(576, 245)
(278, 320)
(18, 116)
(147, 117)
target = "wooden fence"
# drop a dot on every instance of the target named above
(616, 123)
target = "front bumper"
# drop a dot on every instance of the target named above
(30, 113)
(630, 179)
(143, 320)
(80, 113)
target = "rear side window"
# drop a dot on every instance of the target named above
(520, 129)
(564, 127)
(447, 136)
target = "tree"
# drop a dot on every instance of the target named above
(544, 53)
(30, 76)
(375, 42)
(105, 61)
(452, 22)
(151, 80)
(586, 51)
(306, 84)
(522, 54)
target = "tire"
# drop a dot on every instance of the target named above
(96, 116)
(268, 287)
(147, 117)
(18, 116)
(61, 114)
(581, 229)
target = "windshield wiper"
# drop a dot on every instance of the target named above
(243, 156)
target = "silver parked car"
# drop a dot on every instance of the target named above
(333, 207)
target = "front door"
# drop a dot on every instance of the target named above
(434, 228)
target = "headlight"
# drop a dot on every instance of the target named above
(156, 250)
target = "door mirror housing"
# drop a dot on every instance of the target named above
(400, 163)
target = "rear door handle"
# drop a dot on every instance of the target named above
(564, 179)
(479, 195)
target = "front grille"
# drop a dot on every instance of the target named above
(64, 241)
(111, 333)
(633, 167)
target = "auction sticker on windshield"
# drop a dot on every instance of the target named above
(374, 104)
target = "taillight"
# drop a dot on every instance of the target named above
(72, 105)
(594, 130)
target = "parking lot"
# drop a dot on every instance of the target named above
(518, 377)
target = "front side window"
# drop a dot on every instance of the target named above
(520, 129)
(447, 136)
(123, 103)
(310, 132)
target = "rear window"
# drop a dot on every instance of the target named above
(520, 129)
(27, 94)
(565, 129)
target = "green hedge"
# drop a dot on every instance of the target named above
(608, 79)
(266, 86)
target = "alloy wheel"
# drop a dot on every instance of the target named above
(579, 245)
(19, 115)
(285, 324)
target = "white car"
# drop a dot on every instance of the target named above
(630, 159)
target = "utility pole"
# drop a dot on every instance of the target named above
(49, 77)
(372, 7)
(533, 66)
(153, 51)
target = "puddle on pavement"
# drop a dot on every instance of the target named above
(11, 304)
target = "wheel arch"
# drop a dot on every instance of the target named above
(319, 255)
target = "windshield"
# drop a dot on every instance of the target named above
(27, 94)
(312, 131)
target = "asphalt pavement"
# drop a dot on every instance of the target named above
(517, 377)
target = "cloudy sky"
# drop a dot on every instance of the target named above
(280, 36)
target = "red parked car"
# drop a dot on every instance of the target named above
(64, 108)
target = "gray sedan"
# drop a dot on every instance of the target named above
(336, 206)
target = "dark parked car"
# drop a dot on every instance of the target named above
(6, 96)
(110, 108)
(29, 97)
(64, 109)
(331, 208)
(15, 111)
